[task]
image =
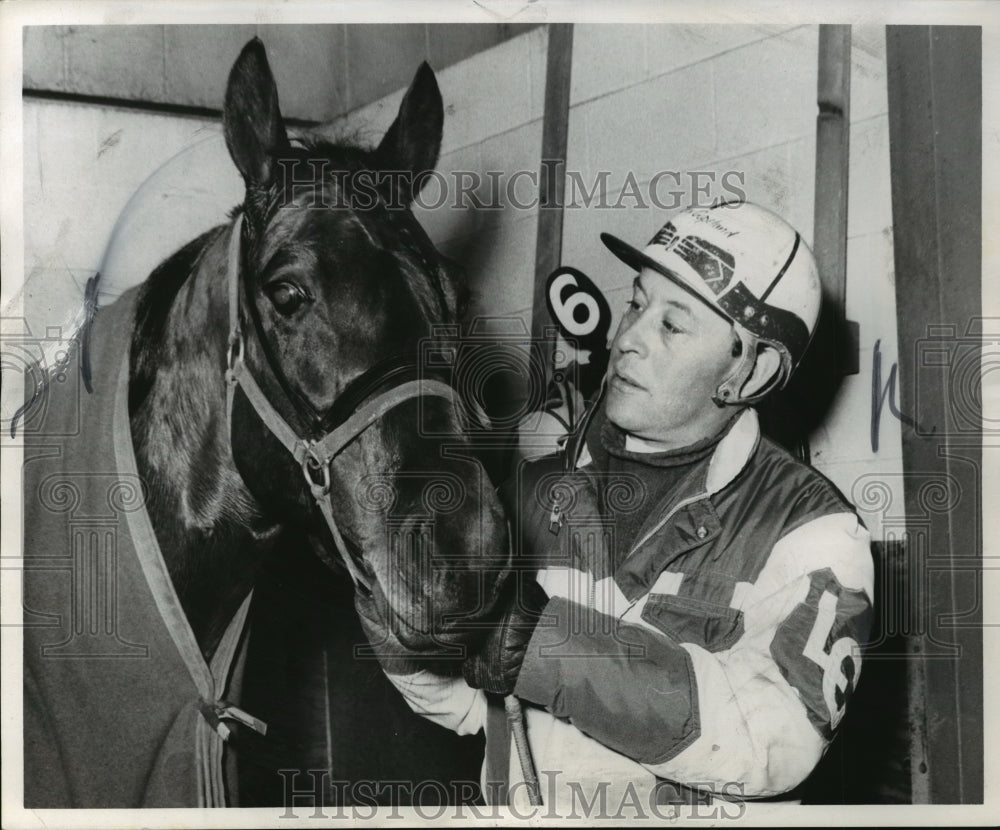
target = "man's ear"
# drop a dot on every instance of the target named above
(765, 371)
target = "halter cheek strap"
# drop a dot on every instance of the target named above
(313, 456)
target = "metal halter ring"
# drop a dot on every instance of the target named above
(313, 467)
(234, 354)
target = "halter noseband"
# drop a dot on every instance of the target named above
(360, 409)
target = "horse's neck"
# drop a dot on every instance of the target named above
(204, 517)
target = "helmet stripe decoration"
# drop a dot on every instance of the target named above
(749, 266)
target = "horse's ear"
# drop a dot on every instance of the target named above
(252, 120)
(412, 143)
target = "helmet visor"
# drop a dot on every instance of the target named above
(638, 260)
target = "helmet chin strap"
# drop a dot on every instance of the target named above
(728, 393)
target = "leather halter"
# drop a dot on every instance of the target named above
(361, 409)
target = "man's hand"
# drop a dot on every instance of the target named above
(392, 655)
(495, 667)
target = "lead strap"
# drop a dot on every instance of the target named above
(515, 719)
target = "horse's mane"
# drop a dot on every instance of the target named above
(155, 298)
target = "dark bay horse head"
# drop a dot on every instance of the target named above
(334, 278)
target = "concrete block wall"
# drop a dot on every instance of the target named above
(322, 70)
(112, 190)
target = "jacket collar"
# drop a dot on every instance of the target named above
(730, 456)
(734, 451)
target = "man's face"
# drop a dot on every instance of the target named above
(670, 353)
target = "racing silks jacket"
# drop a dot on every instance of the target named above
(721, 652)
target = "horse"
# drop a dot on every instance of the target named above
(269, 418)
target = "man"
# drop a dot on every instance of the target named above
(701, 597)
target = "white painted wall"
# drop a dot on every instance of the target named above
(322, 69)
(107, 187)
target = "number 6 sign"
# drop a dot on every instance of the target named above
(578, 308)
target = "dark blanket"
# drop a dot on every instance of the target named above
(118, 700)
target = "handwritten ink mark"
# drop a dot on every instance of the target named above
(881, 393)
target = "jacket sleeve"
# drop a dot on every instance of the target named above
(755, 715)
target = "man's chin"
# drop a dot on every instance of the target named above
(621, 413)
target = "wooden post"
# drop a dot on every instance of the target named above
(833, 131)
(935, 151)
(791, 415)
(548, 245)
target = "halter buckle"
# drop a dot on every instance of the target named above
(234, 355)
(316, 472)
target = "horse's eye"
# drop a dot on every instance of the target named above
(286, 296)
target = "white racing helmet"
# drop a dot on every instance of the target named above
(748, 265)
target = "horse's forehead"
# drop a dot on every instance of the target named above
(306, 227)
(320, 228)
(327, 219)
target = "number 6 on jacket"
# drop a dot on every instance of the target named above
(838, 677)
(825, 630)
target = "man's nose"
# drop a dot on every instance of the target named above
(634, 337)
